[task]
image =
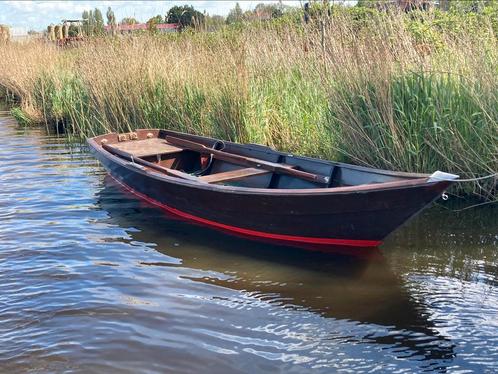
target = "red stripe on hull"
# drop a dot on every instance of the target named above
(290, 239)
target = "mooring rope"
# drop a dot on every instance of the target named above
(445, 196)
(467, 207)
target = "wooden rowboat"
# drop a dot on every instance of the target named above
(261, 193)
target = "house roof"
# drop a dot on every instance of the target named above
(142, 26)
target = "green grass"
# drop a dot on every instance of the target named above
(21, 117)
(435, 121)
(415, 92)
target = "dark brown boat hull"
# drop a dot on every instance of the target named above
(317, 219)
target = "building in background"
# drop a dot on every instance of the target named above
(128, 29)
(19, 34)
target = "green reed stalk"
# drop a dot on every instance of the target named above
(413, 92)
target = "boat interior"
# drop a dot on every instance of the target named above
(212, 161)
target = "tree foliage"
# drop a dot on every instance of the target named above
(88, 22)
(152, 23)
(185, 15)
(99, 22)
(268, 11)
(262, 11)
(235, 15)
(93, 22)
(111, 18)
(213, 23)
(129, 21)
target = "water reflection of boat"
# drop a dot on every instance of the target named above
(365, 291)
(455, 249)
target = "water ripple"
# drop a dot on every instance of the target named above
(92, 280)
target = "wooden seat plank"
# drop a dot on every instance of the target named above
(146, 147)
(248, 161)
(143, 164)
(232, 175)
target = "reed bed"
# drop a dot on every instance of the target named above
(383, 90)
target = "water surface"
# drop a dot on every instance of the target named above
(93, 280)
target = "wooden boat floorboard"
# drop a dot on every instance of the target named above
(146, 147)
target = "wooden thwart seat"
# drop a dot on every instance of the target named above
(146, 147)
(249, 161)
(232, 175)
(141, 163)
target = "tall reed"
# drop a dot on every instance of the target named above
(403, 92)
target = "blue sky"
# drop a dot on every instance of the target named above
(38, 15)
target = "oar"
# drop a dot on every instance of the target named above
(248, 161)
(140, 161)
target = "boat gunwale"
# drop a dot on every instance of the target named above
(416, 181)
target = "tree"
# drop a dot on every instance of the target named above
(365, 4)
(267, 10)
(93, 22)
(185, 16)
(85, 17)
(152, 23)
(264, 11)
(111, 20)
(214, 22)
(88, 22)
(129, 21)
(235, 15)
(157, 19)
(99, 22)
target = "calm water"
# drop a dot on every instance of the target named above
(92, 280)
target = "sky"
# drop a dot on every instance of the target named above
(37, 15)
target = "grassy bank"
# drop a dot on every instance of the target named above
(415, 92)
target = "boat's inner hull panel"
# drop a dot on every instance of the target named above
(152, 146)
